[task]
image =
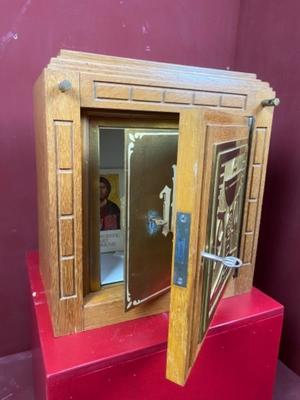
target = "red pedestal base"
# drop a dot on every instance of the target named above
(127, 361)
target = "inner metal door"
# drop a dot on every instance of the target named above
(150, 169)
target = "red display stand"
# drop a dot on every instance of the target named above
(127, 361)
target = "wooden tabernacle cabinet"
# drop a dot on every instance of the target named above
(196, 144)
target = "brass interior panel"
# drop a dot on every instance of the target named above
(151, 157)
(225, 220)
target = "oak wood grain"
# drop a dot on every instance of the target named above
(126, 87)
(59, 143)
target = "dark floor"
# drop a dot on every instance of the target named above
(16, 379)
(287, 386)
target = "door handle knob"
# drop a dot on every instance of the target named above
(159, 221)
(228, 261)
(156, 222)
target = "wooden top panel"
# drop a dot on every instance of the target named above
(150, 73)
(112, 60)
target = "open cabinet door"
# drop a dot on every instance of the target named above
(151, 156)
(210, 186)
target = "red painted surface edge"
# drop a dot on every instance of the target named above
(78, 363)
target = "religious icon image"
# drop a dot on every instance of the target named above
(111, 193)
(109, 200)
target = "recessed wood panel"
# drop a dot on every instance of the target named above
(106, 91)
(247, 250)
(64, 144)
(207, 99)
(66, 236)
(178, 96)
(67, 277)
(233, 101)
(147, 94)
(259, 151)
(251, 215)
(65, 190)
(255, 182)
(141, 97)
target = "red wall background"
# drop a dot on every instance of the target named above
(31, 32)
(246, 35)
(269, 44)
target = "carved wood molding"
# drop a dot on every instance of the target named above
(137, 93)
(65, 206)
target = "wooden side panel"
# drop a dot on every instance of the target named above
(61, 223)
(45, 244)
(254, 194)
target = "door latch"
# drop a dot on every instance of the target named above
(158, 221)
(228, 261)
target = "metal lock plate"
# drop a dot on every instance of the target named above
(183, 225)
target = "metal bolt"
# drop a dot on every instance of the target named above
(271, 102)
(65, 85)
